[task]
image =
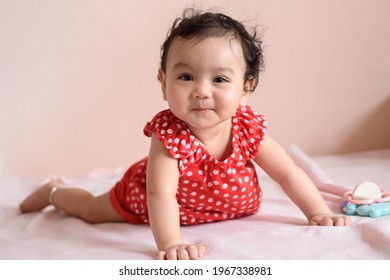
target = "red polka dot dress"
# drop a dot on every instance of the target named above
(208, 189)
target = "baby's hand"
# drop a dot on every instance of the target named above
(330, 220)
(182, 252)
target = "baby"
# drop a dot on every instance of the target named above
(200, 166)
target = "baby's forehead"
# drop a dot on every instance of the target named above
(182, 45)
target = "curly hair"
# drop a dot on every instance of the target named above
(200, 25)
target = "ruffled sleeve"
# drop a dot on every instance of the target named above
(249, 130)
(173, 132)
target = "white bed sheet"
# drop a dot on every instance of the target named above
(278, 231)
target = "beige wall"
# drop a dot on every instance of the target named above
(78, 78)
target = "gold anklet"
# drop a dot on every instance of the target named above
(52, 191)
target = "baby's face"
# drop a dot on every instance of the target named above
(204, 81)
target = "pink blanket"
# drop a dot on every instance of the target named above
(278, 231)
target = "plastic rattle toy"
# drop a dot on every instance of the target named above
(374, 210)
(366, 199)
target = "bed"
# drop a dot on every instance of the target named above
(277, 232)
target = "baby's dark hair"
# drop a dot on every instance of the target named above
(199, 25)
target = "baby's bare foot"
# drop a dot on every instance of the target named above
(38, 200)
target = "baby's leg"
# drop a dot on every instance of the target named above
(39, 199)
(73, 201)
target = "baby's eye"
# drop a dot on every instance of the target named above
(186, 77)
(220, 80)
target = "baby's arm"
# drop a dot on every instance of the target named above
(162, 181)
(297, 185)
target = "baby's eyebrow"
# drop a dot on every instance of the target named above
(216, 69)
(225, 69)
(182, 65)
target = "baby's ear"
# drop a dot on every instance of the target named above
(162, 78)
(249, 84)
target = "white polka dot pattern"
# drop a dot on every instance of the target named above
(209, 190)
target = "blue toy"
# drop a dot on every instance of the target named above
(367, 200)
(374, 210)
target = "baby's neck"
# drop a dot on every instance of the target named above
(217, 140)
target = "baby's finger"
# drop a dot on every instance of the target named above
(326, 222)
(193, 252)
(161, 255)
(347, 221)
(338, 221)
(172, 254)
(183, 254)
(342, 221)
(201, 250)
